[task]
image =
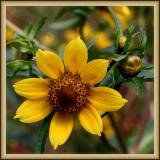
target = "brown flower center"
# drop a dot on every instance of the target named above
(67, 94)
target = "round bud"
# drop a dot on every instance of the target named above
(130, 66)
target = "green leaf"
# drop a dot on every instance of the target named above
(17, 65)
(116, 39)
(112, 78)
(144, 40)
(116, 19)
(147, 68)
(65, 24)
(91, 43)
(118, 57)
(137, 84)
(147, 74)
(35, 29)
(129, 40)
(28, 29)
(42, 137)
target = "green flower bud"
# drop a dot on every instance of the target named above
(122, 41)
(130, 66)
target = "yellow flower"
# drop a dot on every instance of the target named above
(68, 91)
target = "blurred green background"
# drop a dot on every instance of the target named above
(135, 119)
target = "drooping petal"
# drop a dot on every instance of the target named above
(60, 129)
(94, 71)
(32, 88)
(90, 120)
(31, 111)
(106, 99)
(49, 63)
(75, 55)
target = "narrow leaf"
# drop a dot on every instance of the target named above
(116, 19)
(35, 29)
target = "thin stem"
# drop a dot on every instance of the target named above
(107, 144)
(118, 134)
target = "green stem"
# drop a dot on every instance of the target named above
(118, 134)
(43, 133)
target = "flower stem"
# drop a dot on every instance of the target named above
(107, 144)
(43, 133)
(119, 135)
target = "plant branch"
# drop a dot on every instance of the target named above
(20, 31)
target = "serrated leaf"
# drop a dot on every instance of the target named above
(42, 137)
(65, 24)
(35, 29)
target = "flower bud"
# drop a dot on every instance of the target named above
(130, 66)
(122, 41)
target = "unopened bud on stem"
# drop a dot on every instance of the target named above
(122, 41)
(130, 66)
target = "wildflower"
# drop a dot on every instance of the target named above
(68, 91)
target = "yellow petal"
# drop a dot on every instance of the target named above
(90, 120)
(31, 111)
(49, 63)
(75, 55)
(94, 71)
(32, 88)
(60, 129)
(106, 99)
